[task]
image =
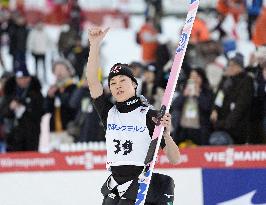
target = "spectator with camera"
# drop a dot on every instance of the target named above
(192, 109)
(21, 110)
(57, 101)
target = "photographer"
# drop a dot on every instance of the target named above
(192, 108)
(21, 110)
(57, 101)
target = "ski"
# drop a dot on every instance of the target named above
(145, 177)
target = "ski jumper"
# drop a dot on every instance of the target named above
(129, 129)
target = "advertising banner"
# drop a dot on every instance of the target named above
(234, 186)
(199, 157)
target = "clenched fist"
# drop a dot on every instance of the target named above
(96, 35)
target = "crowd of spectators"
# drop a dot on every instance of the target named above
(219, 100)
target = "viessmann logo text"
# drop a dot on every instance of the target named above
(88, 160)
(230, 156)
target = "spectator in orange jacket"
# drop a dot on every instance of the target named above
(200, 32)
(147, 38)
(234, 7)
(259, 35)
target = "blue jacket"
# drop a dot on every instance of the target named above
(253, 6)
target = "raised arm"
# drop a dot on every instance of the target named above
(96, 36)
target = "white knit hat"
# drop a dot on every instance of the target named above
(65, 62)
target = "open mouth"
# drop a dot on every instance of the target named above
(120, 92)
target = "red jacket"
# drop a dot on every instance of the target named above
(259, 35)
(148, 41)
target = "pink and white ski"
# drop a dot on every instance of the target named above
(145, 177)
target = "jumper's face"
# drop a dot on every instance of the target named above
(122, 88)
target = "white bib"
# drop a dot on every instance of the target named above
(127, 137)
